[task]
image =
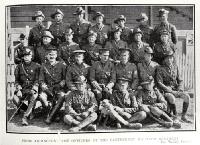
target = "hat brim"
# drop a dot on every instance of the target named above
(94, 18)
(80, 12)
(54, 14)
(47, 36)
(34, 17)
(79, 51)
(141, 19)
(117, 20)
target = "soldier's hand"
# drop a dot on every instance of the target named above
(145, 108)
(44, 87)
(84, 114)
(118, 109)
(169, 89)
(110, 85)
(19, 94)
(96, 85)
(18, 87)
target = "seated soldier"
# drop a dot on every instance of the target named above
(147, 68)
(123, 108)
(80, 108)
(127, 69)
(92, 49)
(102, 76)
(66, 49)
(154, 104)
(52, 82)
(26, 82)
(77, 69)
(170, 82)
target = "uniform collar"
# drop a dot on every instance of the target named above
(27, 64)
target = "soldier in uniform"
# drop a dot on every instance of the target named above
(123, 107)
(126, 69)
(145, 28)
(163, 47)
(163, 16)
(18, 52)
(66, 49)
(151, 101)
(80, 27)
(40, 53)
(77, 69)
(170, 82)
(101, 29)
(102, 76)
(80, 108)
(26, 82)
(115, 44)
(52, 83)
(147, 68)
(126, 31)
(58, 28)
(92, 49)
(35, 35)
(137, 47)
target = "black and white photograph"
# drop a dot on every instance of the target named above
(100, 68)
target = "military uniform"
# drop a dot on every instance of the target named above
(58, 31)
(26, 76)
(80, 30)
(73, 72)
(66, 50)
(103, 74)
(146, 70)
(161, 50)
(147, 32)
(92, 53)
(128, 71)
(114, 47)
(102, 33)
(137, 51)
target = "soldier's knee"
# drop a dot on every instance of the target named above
(170, 98)
(142, 115)
(68, 119)
(186, 97)
(156, 111)
(43, 96)
(93, 116)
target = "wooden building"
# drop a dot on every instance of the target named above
(19, 19)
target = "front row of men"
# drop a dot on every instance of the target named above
(121, 94)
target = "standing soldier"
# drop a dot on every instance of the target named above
(152, 102)
(80, 27)
(102, 76)
(137, 47)
(52, 82)
(147, 68)
(26, 82)
(18, 52)
(58, 28)
(123, 108)
(66, 49)
(101, 29)
(92, 49)
(40, 53)
(115, 44)
(35, 35)
(80, 107)
(126, 32)
(164, 24)
(76, 70)
(127, 70)
(170, 82)
(162, 48)
(145, 28)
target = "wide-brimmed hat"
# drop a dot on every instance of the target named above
(123, 79)
(104, 50)
(38, 14)
(164, 32)
(162, 12)
(22, 36)
(97, 15)
(79, 10)
(58, 11)
(120, 17)
(79, 51)
(137, 30)
(148, 50)
(123, 49)
(147, 80)
(47, 34)
(142, 17)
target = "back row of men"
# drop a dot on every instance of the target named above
(116, 79)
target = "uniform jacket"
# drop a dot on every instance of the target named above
(147, 32)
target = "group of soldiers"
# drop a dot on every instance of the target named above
(102, 75)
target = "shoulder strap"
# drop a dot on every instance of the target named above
(25, 72)
(49, 73)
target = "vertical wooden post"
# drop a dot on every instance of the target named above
(86, 12)
(151, 16)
